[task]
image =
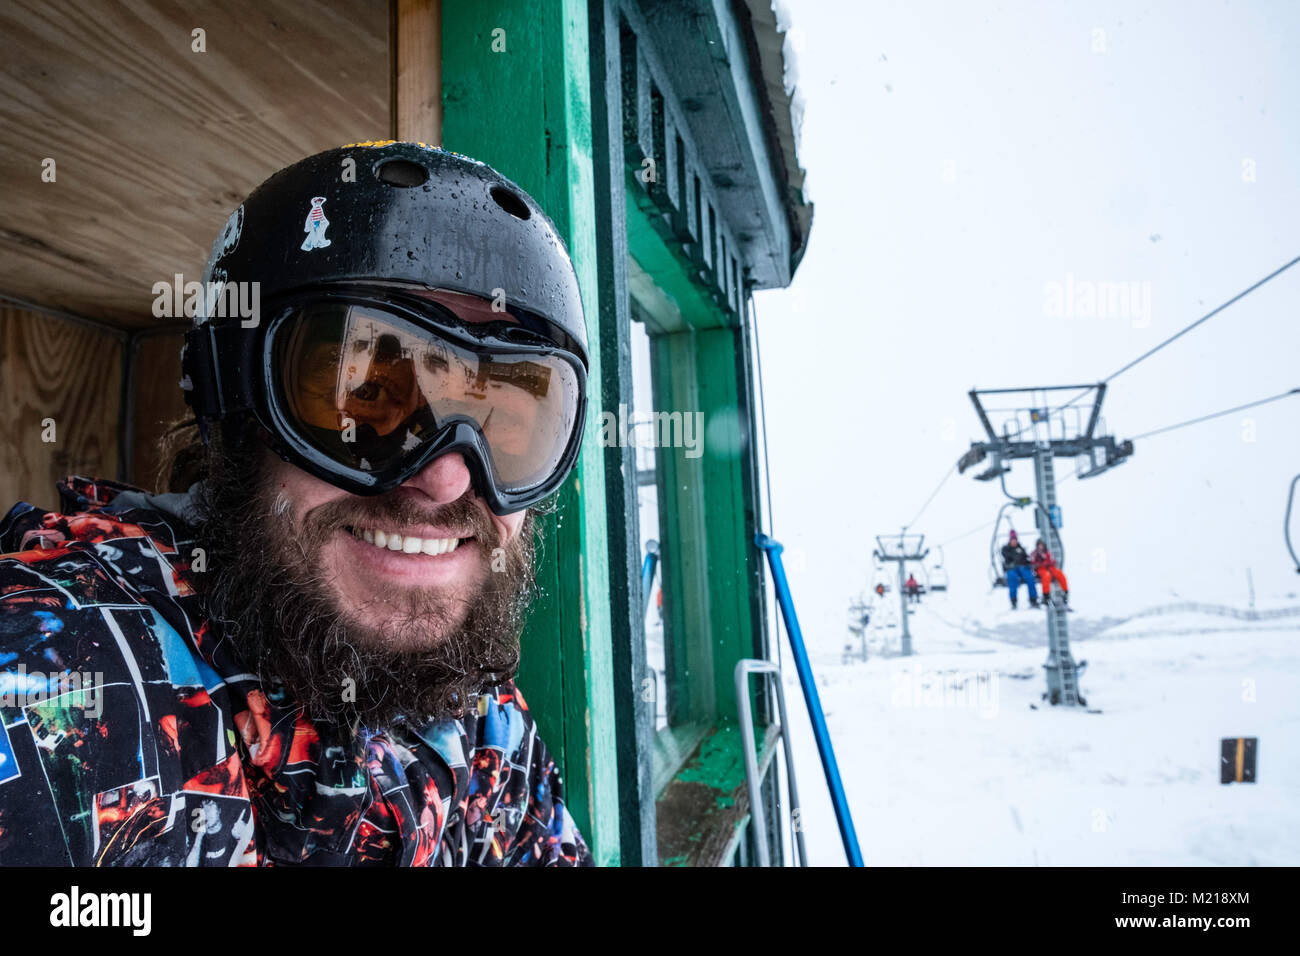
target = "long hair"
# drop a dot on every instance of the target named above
(182, 458)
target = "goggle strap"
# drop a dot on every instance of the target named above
(216, 361)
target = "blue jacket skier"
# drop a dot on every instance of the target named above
(1015, 562)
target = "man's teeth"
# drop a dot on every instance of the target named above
(408, 544)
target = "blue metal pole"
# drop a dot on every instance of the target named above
(845, 819)
(648, 575)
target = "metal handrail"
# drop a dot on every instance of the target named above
(752, 776)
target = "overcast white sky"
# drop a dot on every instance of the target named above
(1114, 166)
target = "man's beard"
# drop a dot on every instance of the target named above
(266, 589)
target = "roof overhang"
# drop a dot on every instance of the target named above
(719, 75)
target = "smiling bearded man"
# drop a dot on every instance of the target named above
(312, 649)
(323, 611)
(411, 600)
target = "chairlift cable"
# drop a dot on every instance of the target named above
(1205, 318)
(967, 534)
(762, 407)
(1179, 334)
(1226, 411)
(750, 311)
(751, 314)
(933, 494)
(1141, 358)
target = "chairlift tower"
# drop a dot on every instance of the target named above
(1043, 433)
(859, 623)
(900, 549)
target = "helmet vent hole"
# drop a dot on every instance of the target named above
(403, 173)
(510, 202)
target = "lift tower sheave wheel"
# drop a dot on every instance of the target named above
(1036, 430)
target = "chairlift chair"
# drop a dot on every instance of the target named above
(880, 578)
(936, 577)
(1286, 523)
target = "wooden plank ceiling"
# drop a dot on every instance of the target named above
(155, 144)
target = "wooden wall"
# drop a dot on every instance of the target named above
(158, 402)
(53, 368)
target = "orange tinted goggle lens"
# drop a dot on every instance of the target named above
(369, 389)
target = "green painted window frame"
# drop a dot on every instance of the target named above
(578, 632)
(568, 673)
(711, 575)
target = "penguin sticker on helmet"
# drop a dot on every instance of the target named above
(315, 226)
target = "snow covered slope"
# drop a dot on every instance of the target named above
(946, 761)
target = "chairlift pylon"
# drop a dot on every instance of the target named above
(1043, 433)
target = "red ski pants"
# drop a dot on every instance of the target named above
(1047, 575)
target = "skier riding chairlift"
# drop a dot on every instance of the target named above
(1045, 566)
(1016, 565)
(913, 588)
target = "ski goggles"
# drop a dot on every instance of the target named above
(364, 390)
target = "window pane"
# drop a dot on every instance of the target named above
(641, 435)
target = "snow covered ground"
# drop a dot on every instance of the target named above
(946, 760)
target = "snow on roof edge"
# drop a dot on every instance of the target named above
(777, 41)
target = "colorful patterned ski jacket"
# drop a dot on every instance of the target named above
(131, 734)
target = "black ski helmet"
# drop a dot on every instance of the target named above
(404, 212)
(396, 216)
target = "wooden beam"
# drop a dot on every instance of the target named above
(154, 143)
(417, 86)
(704, 811)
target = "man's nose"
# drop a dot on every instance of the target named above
(445, 479)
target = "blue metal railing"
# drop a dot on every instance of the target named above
(843, 817)
(648, 573)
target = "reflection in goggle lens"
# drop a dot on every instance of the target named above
(368, 388)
